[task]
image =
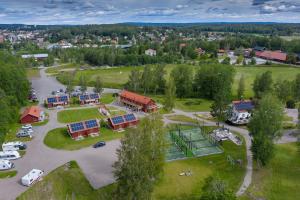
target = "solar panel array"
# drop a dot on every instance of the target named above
(63, 98)
(57, 99)
(123, 119)
(94, 96)
(89, 96)
(51, 100)
(77, 127)
(91, 123)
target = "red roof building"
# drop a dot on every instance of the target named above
(55, 101)
(32, 114)
(272, 55)
(137, 102)
(120, 122)
(83, 129)
(89, 98)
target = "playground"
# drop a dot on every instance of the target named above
(189, 143)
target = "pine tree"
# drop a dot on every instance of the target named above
(241, 88)
(83, 83)
(98, 87)
(170, 95)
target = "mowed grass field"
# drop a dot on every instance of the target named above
(32, 73)
(60, 139)
(116, 77)
(281, 178)
(64, 182)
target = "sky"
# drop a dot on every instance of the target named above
(171, 11)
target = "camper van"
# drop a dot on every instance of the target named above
(33, 176)
(6, 165)
(9, 155)
(13, 146)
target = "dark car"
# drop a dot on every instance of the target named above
(99, 144)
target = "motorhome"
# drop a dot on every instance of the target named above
(9, 155)
(13, 146)
(32, 177)
(6, 165)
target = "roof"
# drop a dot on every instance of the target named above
(85, 97)
(84, 125)
(55, 99)
(272, 55)
(258, 48)
(117, 120)
(41, 55)
(136, 97)
(34, 111)
(243, 105)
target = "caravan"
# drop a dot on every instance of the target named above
(32, 177)
(9, 155)
(6, 165)
(13, 146)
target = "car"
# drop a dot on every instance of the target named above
(61, 90)
(27, 126)
(99, 144)
(24, 134)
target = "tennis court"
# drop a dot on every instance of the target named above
(190, 143)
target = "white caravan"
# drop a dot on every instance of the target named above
(33, 176)
(9, 155)
(13, 146)
(6, 165)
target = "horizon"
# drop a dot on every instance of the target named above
(81, 12)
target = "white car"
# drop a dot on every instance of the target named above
(32, 177)
(26, 126)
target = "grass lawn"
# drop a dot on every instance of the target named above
(67, 116)
(60, 139)
(7, 174)
(107, 98)
(182, 118)
(281, 178)
(32, 73)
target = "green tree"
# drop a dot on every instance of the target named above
(183, 78)
(140, 160)
(253, 61)
(297, 87)
(241, 87)
(83, 83)
(283, 90)
(226, 61)
(265, 126)
(134, 82)
(98, 87)
(70, 83)
(170, 95)
(216, 189)
(263, 84)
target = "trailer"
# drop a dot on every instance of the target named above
(32, 177)
(13, 146)
(9, 155)
(6, 165)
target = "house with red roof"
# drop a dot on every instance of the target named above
(278, 56)
(122, 121)
(32, 114)
(137, 102)
(80, 130)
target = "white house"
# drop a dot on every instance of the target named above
(150, 52)
(239, 112)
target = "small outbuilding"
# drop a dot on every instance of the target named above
(79, 130)
(55, 101)
(89, 98)
(32, 114)
(123, 121)
(137, 102)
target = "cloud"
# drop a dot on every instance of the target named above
(156, 12)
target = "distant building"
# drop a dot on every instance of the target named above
(137, 102)
(278, 56)
(32, 114)
(200, 51)
(120, 122)
(37, 57)
(1, 39)
(150, 52)
(79, 130)
(239, 112)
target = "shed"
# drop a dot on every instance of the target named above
(32, 114)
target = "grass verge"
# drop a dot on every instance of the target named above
(7, 174)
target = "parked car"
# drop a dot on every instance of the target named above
(6, 165)
(32, 177)
(13, 146)
(28, 130)
(24, 134)
(9, 155)
(99, 144)
(27, 126)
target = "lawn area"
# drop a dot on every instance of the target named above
(7, 174)
(32, 73)
(107, 98)
(281, 178)
(68, 116)
(60, 139)
(182, 118)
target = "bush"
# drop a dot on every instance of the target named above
(291, 104)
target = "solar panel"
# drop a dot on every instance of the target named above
(94, 96)
(117, 120)
(77, 126)
(130, 117)
(51, 100)
(91, 123)
(63, 98)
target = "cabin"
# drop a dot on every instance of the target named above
(150, 52)
(240, 112)
(124, 121)
(32, 114)
(89, 98)
(79, 130)
(137, 102)
(55, 101)
(278, 56)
